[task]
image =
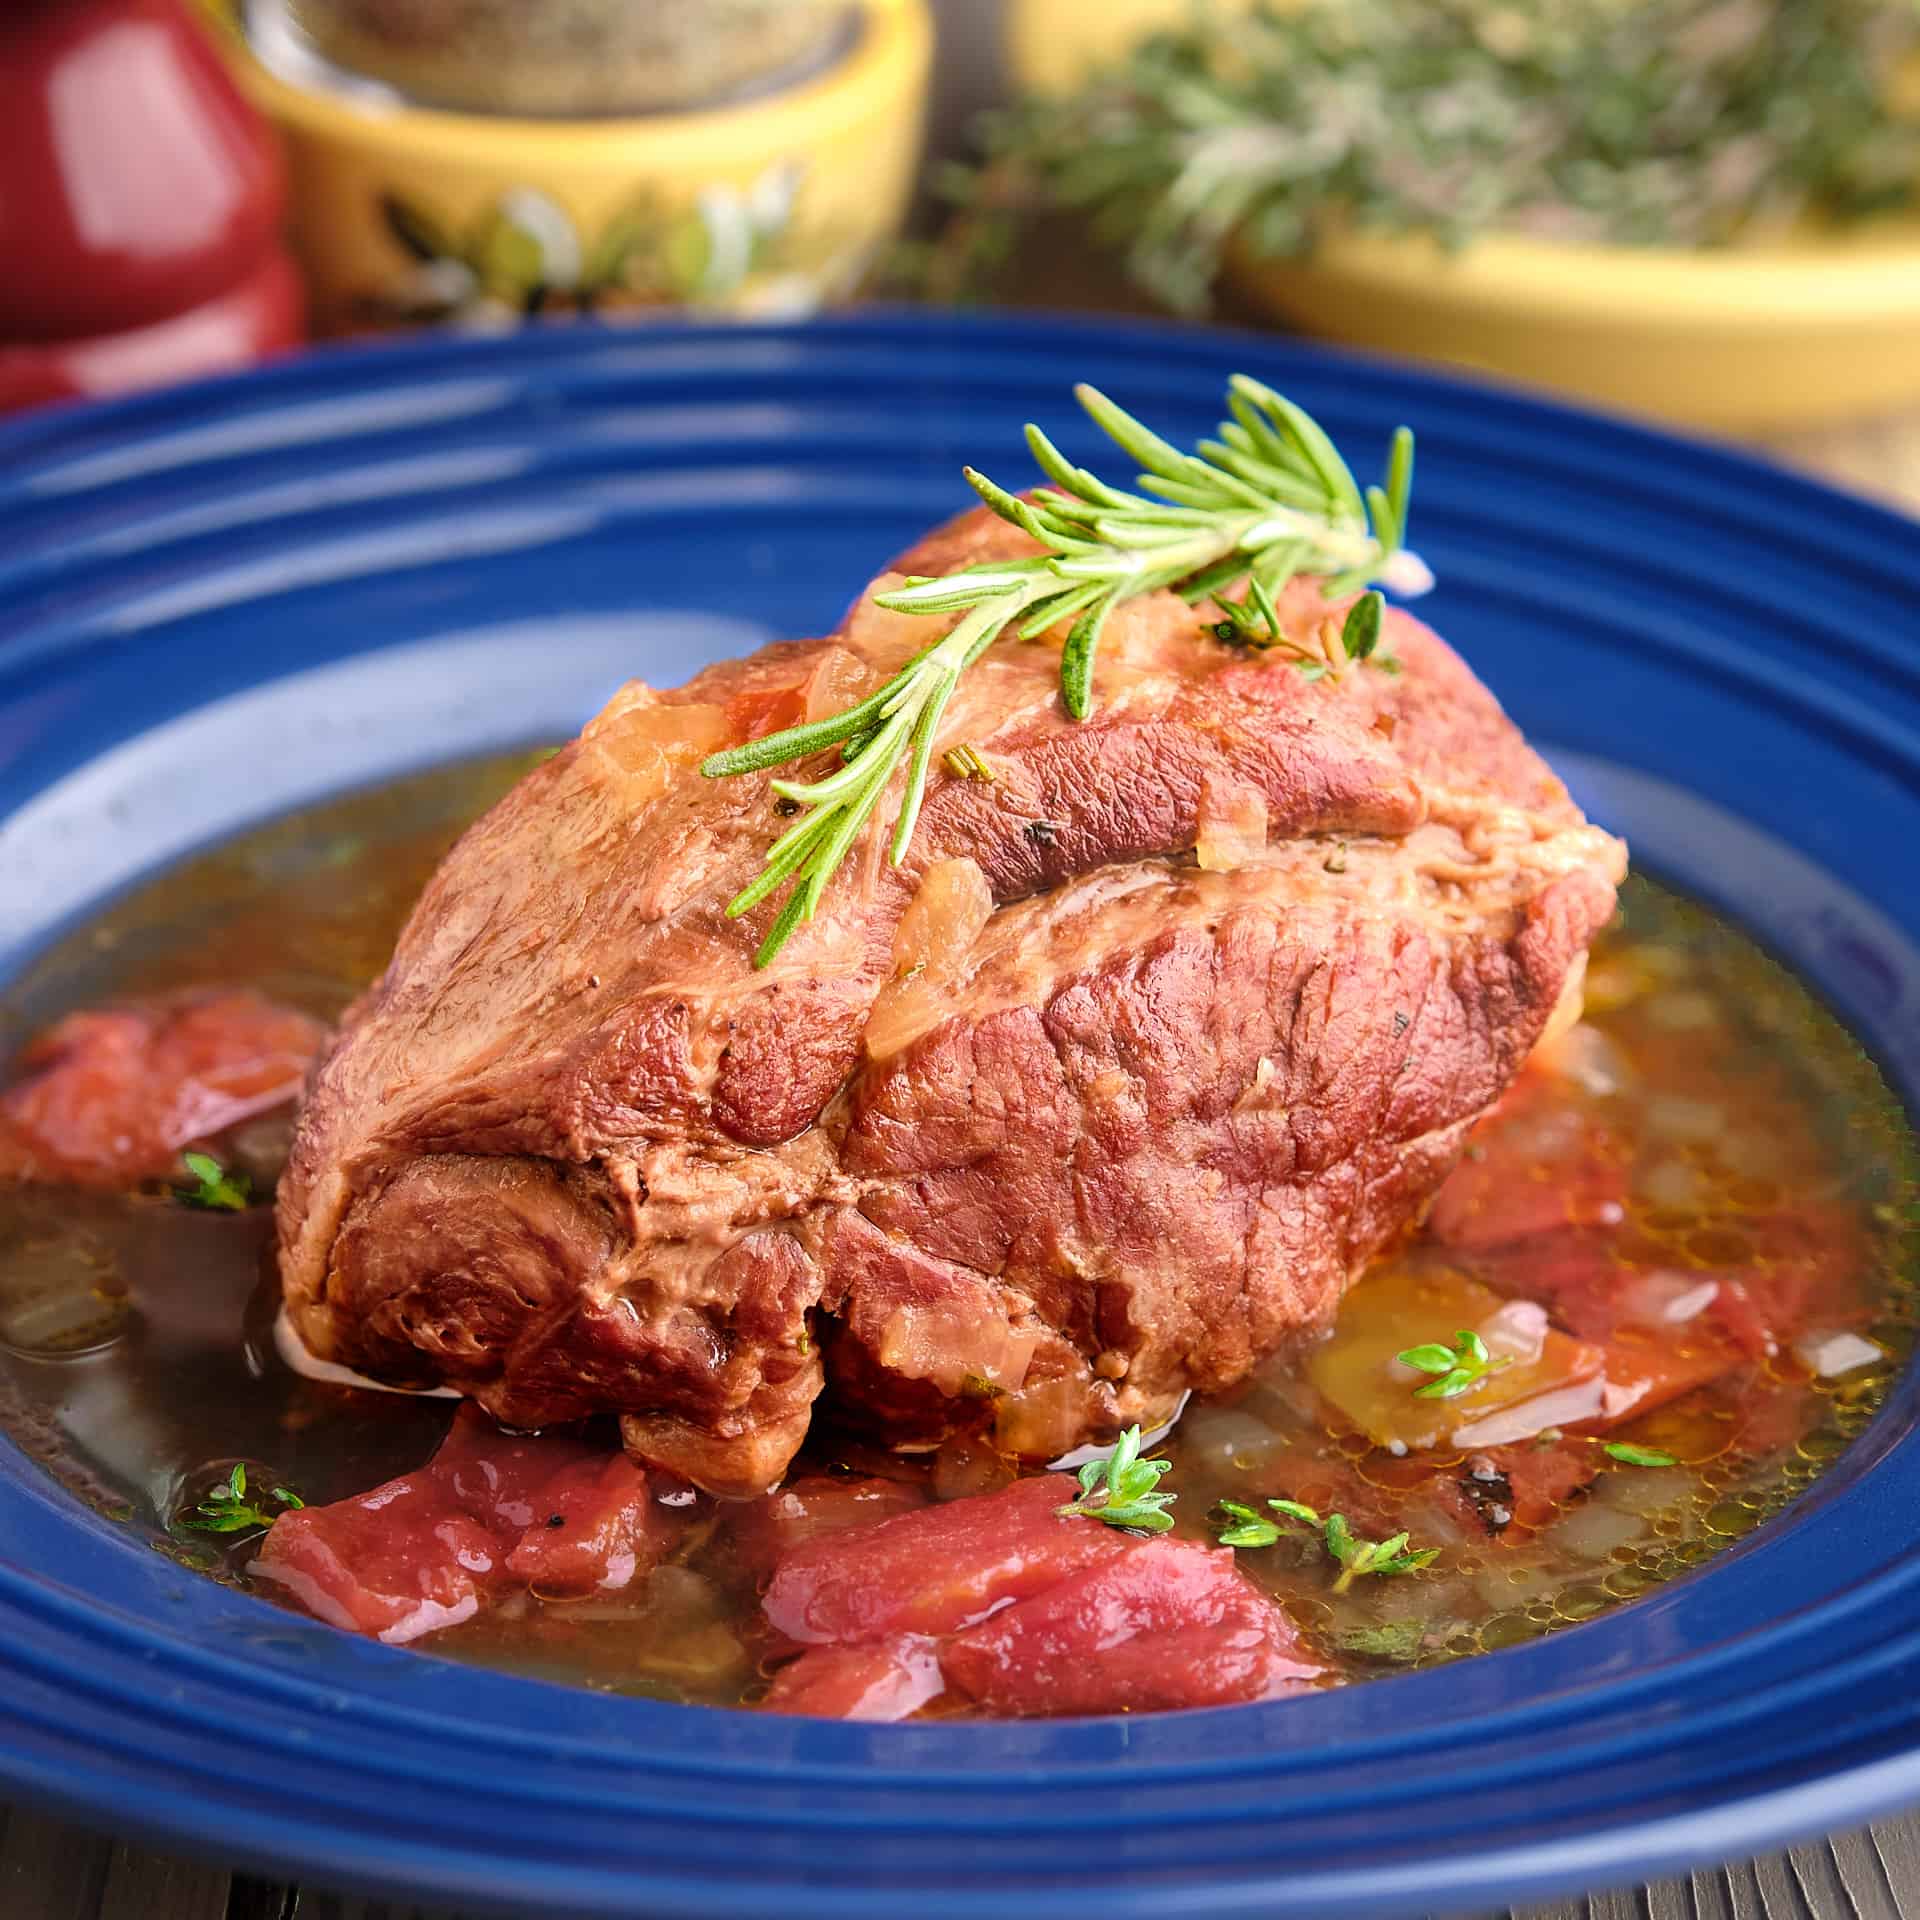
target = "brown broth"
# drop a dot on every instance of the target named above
(136, 1360)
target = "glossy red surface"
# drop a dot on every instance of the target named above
(140, 204)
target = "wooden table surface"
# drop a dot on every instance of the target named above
(54, 1872)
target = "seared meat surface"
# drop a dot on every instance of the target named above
(1104, 1095)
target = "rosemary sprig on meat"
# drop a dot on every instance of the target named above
(1267, 499)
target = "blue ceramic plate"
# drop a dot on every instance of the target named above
(222, 603)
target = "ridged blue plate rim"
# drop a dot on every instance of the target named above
(218, 600)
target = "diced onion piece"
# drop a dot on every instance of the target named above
(1672, 1183)
(1040, 1422)
(936, 934)
(1231, 830)
(1516, 1331)
(1564, 1020)
(1582, 1054)
(1658, 1298)
(1150, 1437)
(840, 680)
(1522, 1419)
(951, 1346)
(1592, 1530)
(645, 743)
(1828, 1355)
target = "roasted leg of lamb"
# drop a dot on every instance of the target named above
(1168, 1021)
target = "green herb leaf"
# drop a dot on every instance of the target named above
(217, 1189)
(226, 1509)
(1461, 1366)
(1633, 1456)
(1122, 1490)
(1268, 499)
(1245, 1527)
(1354, 1557)
(1361, 632)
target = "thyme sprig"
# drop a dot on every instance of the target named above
(215, 1187)
(1457, 1368)
(1122, 1490)
(227, 1509)
(1356, 1558)
(1667, 123)
(1267, 499)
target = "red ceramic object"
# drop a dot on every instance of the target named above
(140, 204)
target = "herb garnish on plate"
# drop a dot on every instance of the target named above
(1459, 1367)
(1268, 499)
(1122, 1490)
(227, 1509)
(216, 1188)
(1355, 1557)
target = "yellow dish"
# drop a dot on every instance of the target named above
(1799, 332)
(1052, 45)
(1809, 329)
(773, 205)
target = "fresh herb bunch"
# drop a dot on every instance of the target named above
(1668, 122)
(1268, 499)
(1123, 1490)
(1457, 1368)
(1355, 1557)
(226, 1509)
(214, 1187)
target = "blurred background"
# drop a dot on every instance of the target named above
(1696, 210)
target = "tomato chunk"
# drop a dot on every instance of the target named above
(937, 1570)
(1164, 1623)
(109, 1098)
(1535, 1165)
(427, 1550)
(399, 1562)
(594, 1528)
(887, 1680)
(774, 1525)
(501, 1478)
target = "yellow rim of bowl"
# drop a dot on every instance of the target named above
(893, 48)
(1824, 279)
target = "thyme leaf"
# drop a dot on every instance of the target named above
(226, 1509)
(215, 1188)
(1460, 1367)
(1122, 1490)
(1356, 1558)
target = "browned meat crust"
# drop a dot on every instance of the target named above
(1049, 1126)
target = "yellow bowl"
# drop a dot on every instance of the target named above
(1809, 329)
(771, 206)
(1804, 331)
(1052, 45)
